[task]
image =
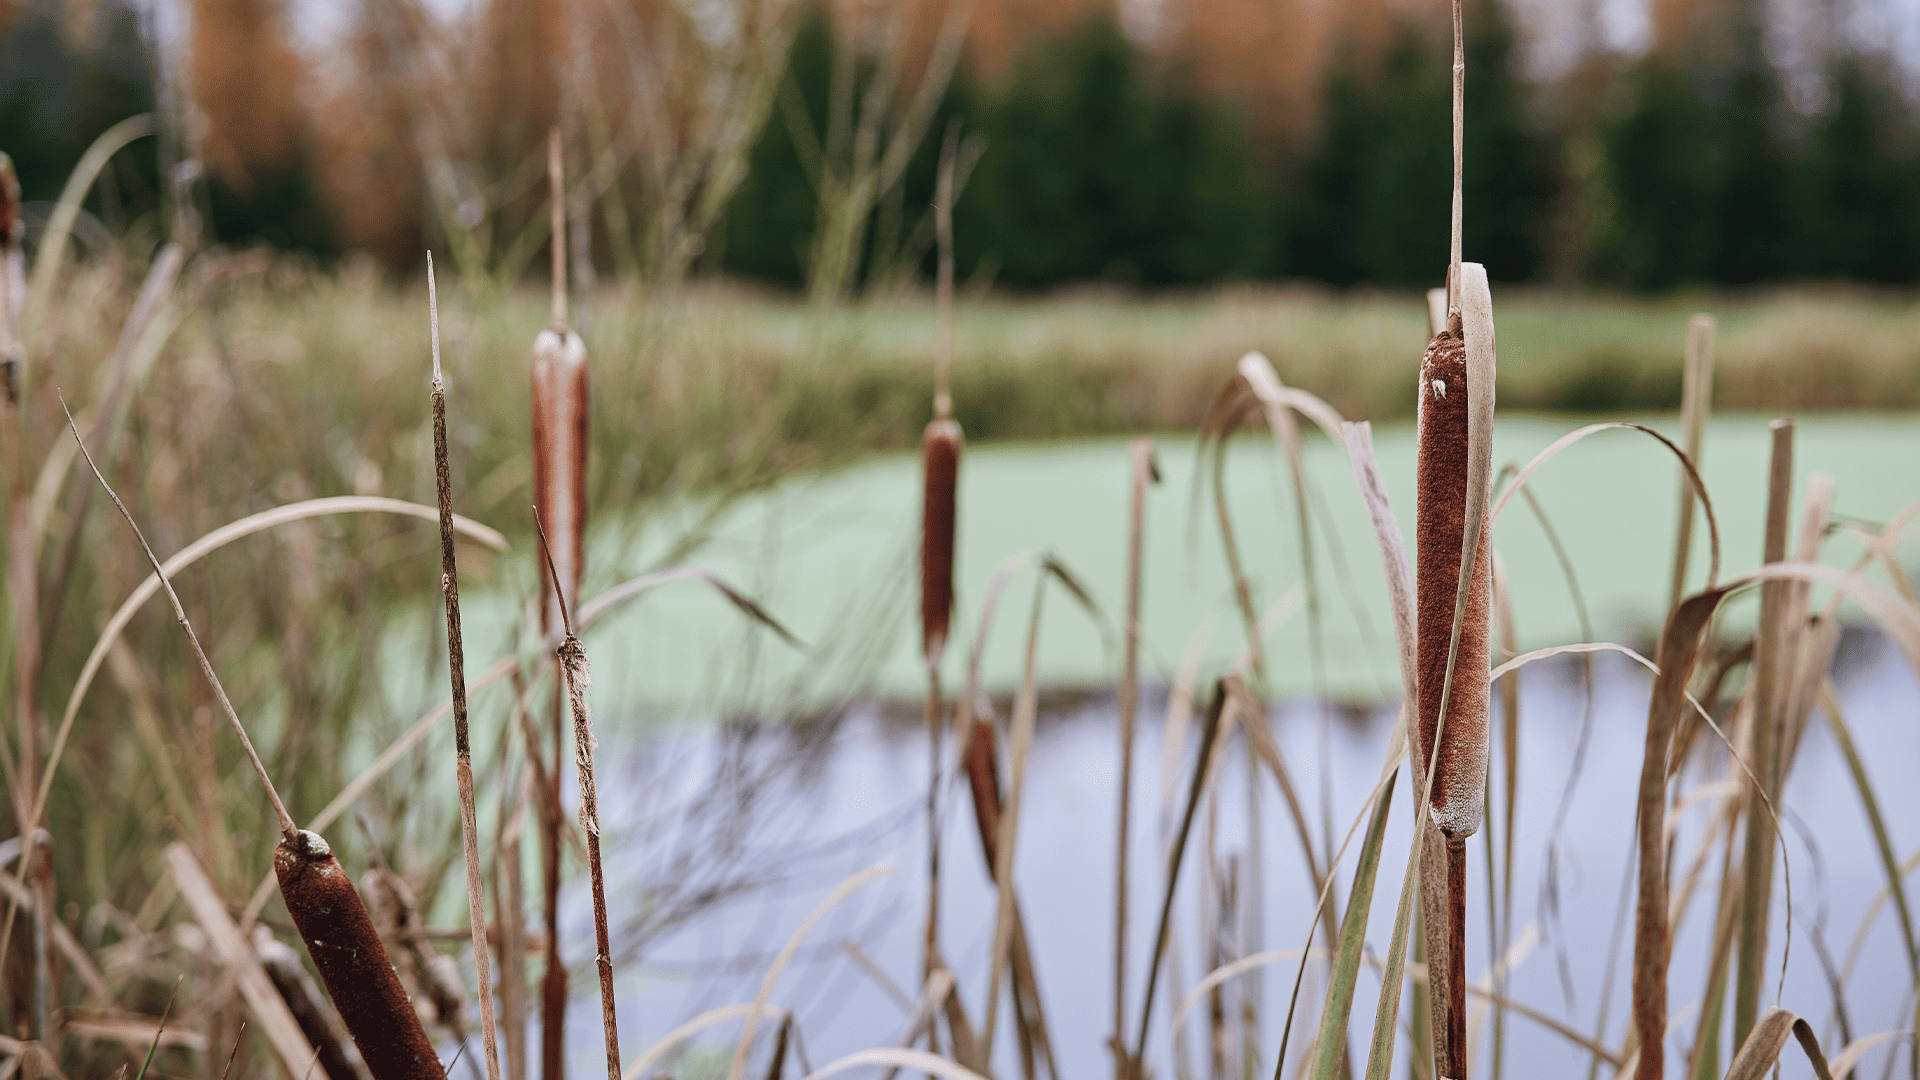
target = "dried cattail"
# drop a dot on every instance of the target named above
(1459, 773)
(352, 961)
(940, 474)
(560, 416)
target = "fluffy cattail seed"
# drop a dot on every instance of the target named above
(353, 963)
(1459, 776)
(940, 474)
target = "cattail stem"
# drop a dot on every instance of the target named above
(288, 829)
(1456, 1065)
(456, 665)
(1143, 473)
(1459, 156)
(573, 665)
(557, 180)
(943, 226)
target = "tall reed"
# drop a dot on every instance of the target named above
(940, 473)
(560, 442)
(573, 666)
(457, 676)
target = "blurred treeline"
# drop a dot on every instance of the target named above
(798, 142)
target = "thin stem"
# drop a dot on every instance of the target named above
(573, 664)
(943, 225)
(288, 829)
(456, 665)
(557, 180)
(1459, 154)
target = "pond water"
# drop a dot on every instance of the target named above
(721, 842)
(723, 837)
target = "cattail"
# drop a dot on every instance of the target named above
(560, 430)
(940, 475)
(352, 962)
(560, 460)
(1459, 773)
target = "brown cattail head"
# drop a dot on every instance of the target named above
(560, 414)
(983, 778)
(11, 225)
(940, 476)
(1459, 778)
(352, 962)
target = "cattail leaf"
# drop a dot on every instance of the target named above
(840, 892)
(1564, 441)
(1332, 1040)
(898, 1057)
(1843, 1063)
(221, 537)
(1761, 1052)
(711, 1018)
(1393, 554)
(601, 605)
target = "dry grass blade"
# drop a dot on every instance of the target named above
(1202, 768)
(1696, 404)
(1693, 475)
(1760, 1054)
(282, 1031)
(1883, 840)
(287, 827)
(695, 1026)
(785, 956)
(591, 611)
(1144, 471)
(53, 243)
(1025, 711)
(457, 677)
(1842, 1064)
(918, 1060)
(1769, 664)
(1393, 553)
(378, 767)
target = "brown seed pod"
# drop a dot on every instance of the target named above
(940, 475)
(353, 964)
(984, 780)
(1459, 776)
(560, 431)
(11, 225)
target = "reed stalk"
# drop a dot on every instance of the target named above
(560, 444)
(1143, 472)
(1696, 405)
(573, 665)
(457, 676)
(1769, 666)
(940, 468)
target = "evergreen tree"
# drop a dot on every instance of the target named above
(1663, 177)
(769, 223)
(1855, 176)
(1508, 183)
(1753, 204)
